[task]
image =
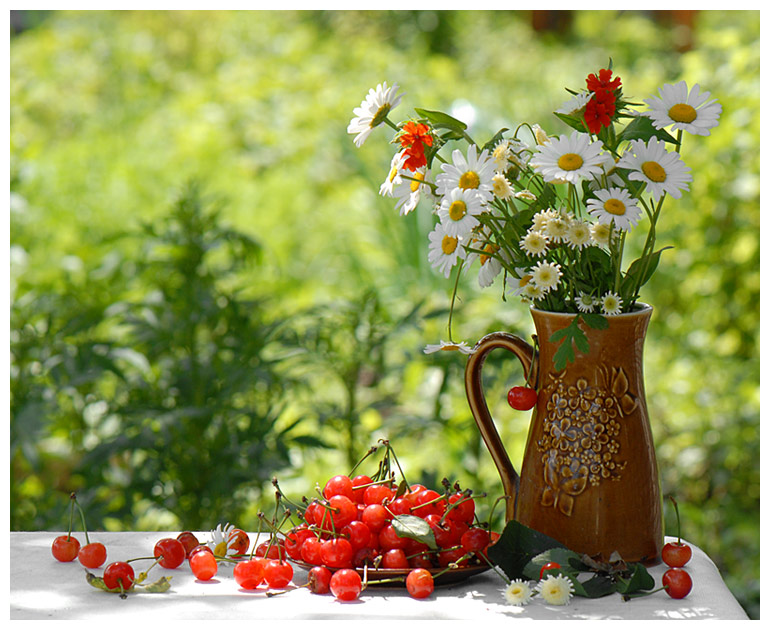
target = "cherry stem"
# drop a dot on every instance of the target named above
(371, 451)
(72, 513)
(82, 516)
(395, 459)
(678, 522)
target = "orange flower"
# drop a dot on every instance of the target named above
(414, 138)
(602, 82)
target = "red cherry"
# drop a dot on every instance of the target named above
(337, 553)
(249, 574)
(65, 548)
(189, 541)
(461, 508)
(522, 398)
(676, 554)
(294, 539)
(172, 550)
(419, 583)
(195, 550)
(92, 555)
(339, 484)
(318, 579)
(448, 556)
(358, 533)
(394, 559)
(377, 494)
(677, 582)
(203, 564)
(389, 539)
(343, 510)
(345, 584)
(278, 573)
(310, 551)
(375, 517)
(271, 549)
(238, 542)
(401, 505)
(475, 539)
(427, 502)
(360, 484)
(547, 566)
(119, 574)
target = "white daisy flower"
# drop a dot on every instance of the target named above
(569, 159)
(557, 228)
(541, 219)
(575, 104)
(585, 302)
(662, 171)
(692, 111)
(518, 593)
(220, 540)
(490, 266)
(394, 175)
(473, 173)
(373, 110)
(600, 233)
(448, 346)
(555, 589)
(531, 292)
(458, 211)
(611, 303)
(409, 190)
(501, 154)
(579, 235)
(546, 275)
(501, 187)
(522, 278)
(444, 250)
(615, 205)
(534, 243)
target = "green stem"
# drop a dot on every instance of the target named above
(82, 517)
(454, 295)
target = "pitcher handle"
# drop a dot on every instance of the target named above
(478, 404)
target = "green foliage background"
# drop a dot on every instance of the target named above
(208, 291)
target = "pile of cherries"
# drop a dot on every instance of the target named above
(676, 581)
(360, 522)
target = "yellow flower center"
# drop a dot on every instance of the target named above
(220, 549)
(393, 173)
(415, 183)
(654, 171)
(448, 244)
(570, 162)
(450, 347)
(615, 206)
(682, 112)
(381, 114)
(490, 249)
(469, 179)
(457, 210)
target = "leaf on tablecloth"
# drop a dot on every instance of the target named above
(159, 586)
(517, 545)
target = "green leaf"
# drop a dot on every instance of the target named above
(637, 275)
(567, 559)
(572, 121)
(494, 140)
(517, 545)
(563, 355)
(159, 586)
(640, 580)
(641, 128)
(440, 120)
(96, 581)
(414, 527)
(595, 321)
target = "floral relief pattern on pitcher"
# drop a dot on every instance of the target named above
(578, 444)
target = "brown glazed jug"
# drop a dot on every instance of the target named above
(589, 476)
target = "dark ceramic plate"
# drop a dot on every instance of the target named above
(453, 576)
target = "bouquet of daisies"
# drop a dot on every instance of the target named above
(550, 214)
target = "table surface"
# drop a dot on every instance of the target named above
(43, 588)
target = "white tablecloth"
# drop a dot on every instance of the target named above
(43, 588)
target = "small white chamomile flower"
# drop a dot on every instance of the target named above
(518, 593)
(444, 250)
(534, 243)
(691, 112)
(448, 346)
(611, 303)
(578, 235)
(373, 111)
(555, 589)
(501, 187)
(458, 211)
(546, 275)
(615, 206)
(663, 171)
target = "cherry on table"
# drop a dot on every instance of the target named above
(189, 541)
(249, 574)
(419, 583)
(345, 584)
(92, 555)
(170, 553)
(65, 548)
(318, 579)
(119, 575)
(238, 542)
(677, 582)
(203, 564)
(278, 573)
(676, 554)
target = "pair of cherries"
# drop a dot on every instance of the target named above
(676, 580)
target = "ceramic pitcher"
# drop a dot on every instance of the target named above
(589, 476)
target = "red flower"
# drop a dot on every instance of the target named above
(599, 111)
(414, 138)
(602, 82)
